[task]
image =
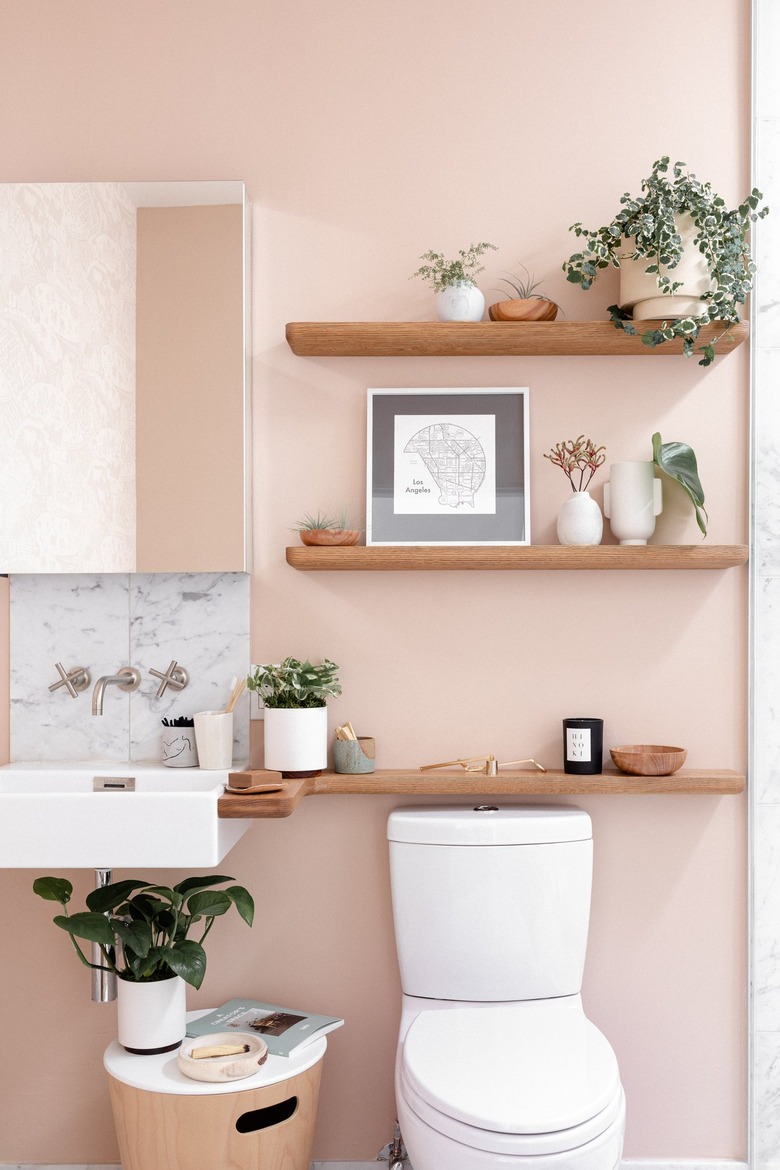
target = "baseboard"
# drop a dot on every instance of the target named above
(626, 1164)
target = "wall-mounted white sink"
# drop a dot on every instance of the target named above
(52, 817)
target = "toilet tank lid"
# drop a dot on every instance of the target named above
(489, 824)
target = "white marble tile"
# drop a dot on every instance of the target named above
(765, 777)
(766, 915)
(765, 235)
(78, 621)
(202, 621)
(767, 37)
(767, 455)
(766, 1060)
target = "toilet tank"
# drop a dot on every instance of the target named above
(490, 903)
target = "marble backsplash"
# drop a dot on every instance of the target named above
(105, 622)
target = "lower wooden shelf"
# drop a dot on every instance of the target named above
(688, 781)
(390, 558)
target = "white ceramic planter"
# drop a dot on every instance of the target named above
(460, 302)
(639, 289)
(580, 520)
(151, 1017)
(632, 500)
(296, 740)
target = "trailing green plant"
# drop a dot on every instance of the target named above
(579, 459)
(646, 227)
(441, 273)
(678, 461)
(316, 521)
(295, 684)
(141, 928)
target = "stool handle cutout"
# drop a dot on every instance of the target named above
(257, 1119)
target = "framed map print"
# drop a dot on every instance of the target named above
(448, 467)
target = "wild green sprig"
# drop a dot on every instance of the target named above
(440, 272)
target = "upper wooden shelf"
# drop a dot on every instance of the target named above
(485, 338)
(534, 556)
(688, 781)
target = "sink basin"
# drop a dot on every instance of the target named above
(52, 817)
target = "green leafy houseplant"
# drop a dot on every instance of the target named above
(646, 227)
(142, 929)
(679, 462)
(294, 684)
(441, 273)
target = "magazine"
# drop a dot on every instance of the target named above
(285, 1030)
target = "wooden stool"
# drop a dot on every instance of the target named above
(166, 1121)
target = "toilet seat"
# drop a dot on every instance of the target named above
(534, 1077)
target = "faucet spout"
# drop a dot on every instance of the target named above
(127, 679)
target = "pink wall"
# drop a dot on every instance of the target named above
(368, 135)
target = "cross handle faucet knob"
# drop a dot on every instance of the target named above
(175, 677)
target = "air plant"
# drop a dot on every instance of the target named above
(578, 459)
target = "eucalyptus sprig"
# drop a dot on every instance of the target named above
(295, 684)
(441, 273)
(646, 227)
(579, 459)
(141, 929)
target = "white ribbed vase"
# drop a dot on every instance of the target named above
(460, 302)
(632, 500)
(580, 520)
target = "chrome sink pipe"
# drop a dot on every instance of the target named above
(127, 679)
(103, 981)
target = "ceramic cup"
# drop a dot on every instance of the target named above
(179, 749)
(354, 756)
(214, 737)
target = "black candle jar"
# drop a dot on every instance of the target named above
(583, 749)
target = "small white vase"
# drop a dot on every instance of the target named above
(296, 740)
(580, 520)
(151, 1017)
(461, 301)
(632, 500)
(639, 289)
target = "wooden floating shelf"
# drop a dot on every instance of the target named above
(362, 558)
(688, 781)
(486, 339)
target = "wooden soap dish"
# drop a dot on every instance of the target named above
(254, 789)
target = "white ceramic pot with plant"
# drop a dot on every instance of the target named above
(457, 295)
(294, 695)
(579, 520)
(654, 223)
(141, 930)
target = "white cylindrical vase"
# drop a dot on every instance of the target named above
(639, 289)
(580, 520)
(151, 1017)
(296, 740)
(632, 500)
(461, 301)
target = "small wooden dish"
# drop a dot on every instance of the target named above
(648, 759)
(329, 536)
(222, 1068)
(523, 309)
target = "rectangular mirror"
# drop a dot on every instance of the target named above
(124, 377)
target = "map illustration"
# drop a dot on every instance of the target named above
(455, 458)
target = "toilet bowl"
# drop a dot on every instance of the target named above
(497, 1064)
(484, 1086)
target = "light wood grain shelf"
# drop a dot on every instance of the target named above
(361, 558)
(688, 781)
(486, 339)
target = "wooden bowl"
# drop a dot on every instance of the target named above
(523, 309)
(222, 1068)
(648, 759)
(331, 536)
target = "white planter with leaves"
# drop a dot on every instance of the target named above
(461, 301)
(296, 740)
(639, 289)
(152, 1016)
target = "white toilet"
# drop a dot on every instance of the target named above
(497, 1064)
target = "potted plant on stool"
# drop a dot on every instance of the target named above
(141, 930)
(296, 718)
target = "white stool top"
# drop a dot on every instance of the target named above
(161, 1073)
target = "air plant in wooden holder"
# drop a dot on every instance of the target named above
(579, 459)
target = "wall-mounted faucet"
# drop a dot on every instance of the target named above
(74, 680)
(127, 679)
(175, 677)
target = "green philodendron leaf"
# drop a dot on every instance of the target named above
(200, 883)
(243, 901)
(187, 959)
(109, 897)
(678, 461)
(208, 903)
(53, 889)
(136, 937)
(89, 926)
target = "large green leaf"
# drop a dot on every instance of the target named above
(135, 936)
(208, 903)
(244, 902)
(679, 462)
(109, 897)
(187, 959)
(89, 926)
(53, 889)
(199, 883)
